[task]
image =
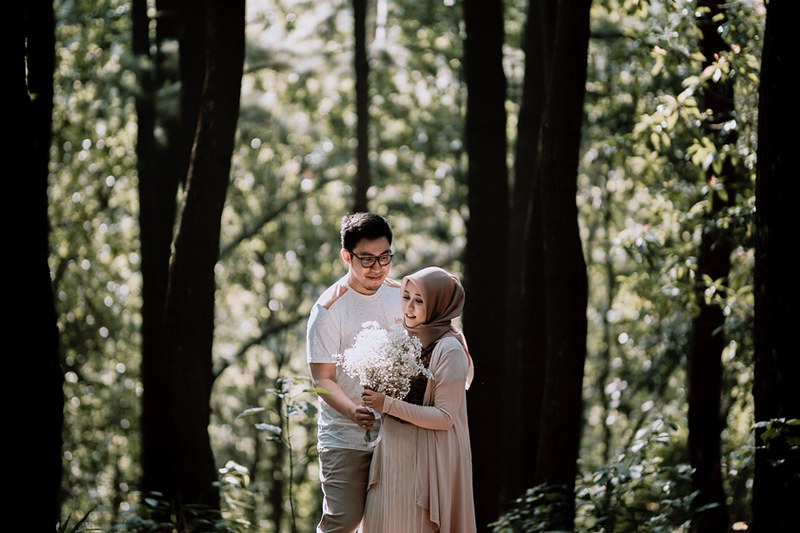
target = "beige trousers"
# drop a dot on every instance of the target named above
(344, 475)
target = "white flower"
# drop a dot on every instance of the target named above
(383, 360)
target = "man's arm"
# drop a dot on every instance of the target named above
(323, 375)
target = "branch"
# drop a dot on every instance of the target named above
(267, 218)
(265, 334)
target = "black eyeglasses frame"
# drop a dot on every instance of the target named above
(368, 261)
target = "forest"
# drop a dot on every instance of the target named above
(608, 178)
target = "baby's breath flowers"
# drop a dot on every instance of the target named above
(383, 360)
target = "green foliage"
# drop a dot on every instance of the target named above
(290, 184)
(780, 437)
(642, 490)
(542, 508)
(642, 203)
(80, 525)
(293, 407)
(644, 200)
(645, 489)
(140, 518)
(94, 259)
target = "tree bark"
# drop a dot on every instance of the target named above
(162, 166)
(363, 179)
(193, 38)
(485, 261)
(564, 264)
(157, 197)
(776, 488)
(708, 341)
(34, 63)
(525, 310)
(190, 294)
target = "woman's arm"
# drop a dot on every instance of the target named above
(449, 377)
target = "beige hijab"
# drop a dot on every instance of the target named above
(444, 300)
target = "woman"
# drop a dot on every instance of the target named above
(421, 473)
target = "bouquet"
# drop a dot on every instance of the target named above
(383, 360)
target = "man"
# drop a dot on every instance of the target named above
(363, 294)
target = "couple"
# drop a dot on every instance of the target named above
(418, 476)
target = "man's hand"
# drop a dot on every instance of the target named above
(364, 417)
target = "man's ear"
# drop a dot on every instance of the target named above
(345, 255)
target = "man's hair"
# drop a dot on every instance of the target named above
(359, 226)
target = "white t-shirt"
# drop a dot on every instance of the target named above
(331, 331)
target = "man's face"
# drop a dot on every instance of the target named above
(367, 280)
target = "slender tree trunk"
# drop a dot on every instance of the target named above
(363, 178)
(564, 265)
(190, 294)
(157, 195)
(34, 62)
(193, 38)
(162, 167)
(525, 313)
(608, 329)
(708, 341)
(277, 483)
(776, 486)
(485, 263)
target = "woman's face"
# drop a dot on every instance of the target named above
(414, 309)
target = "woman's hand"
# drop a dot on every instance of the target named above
(373, 399)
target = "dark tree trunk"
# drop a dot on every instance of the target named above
(34, 63)
(714, 262)
(363, 178)
(162, 167)
(190, 294)
(564, 265)
(485, 261)
(776, 486)
(158, 185)
(525, 313)
(193, 38)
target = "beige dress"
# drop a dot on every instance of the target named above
(421, 474)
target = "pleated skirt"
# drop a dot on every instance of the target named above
(392, 502)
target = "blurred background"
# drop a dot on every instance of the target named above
(663, 175)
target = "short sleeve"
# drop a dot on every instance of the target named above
(322, 336)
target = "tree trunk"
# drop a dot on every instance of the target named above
(162, 167)
(776, 488)
(708, 341)
(190, 294)
(157, 196)
(564, 265)
(525, 313)
(485, 261)
(363, 179)
(193, 38)
(34, 62)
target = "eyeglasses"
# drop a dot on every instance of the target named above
(367, 261)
